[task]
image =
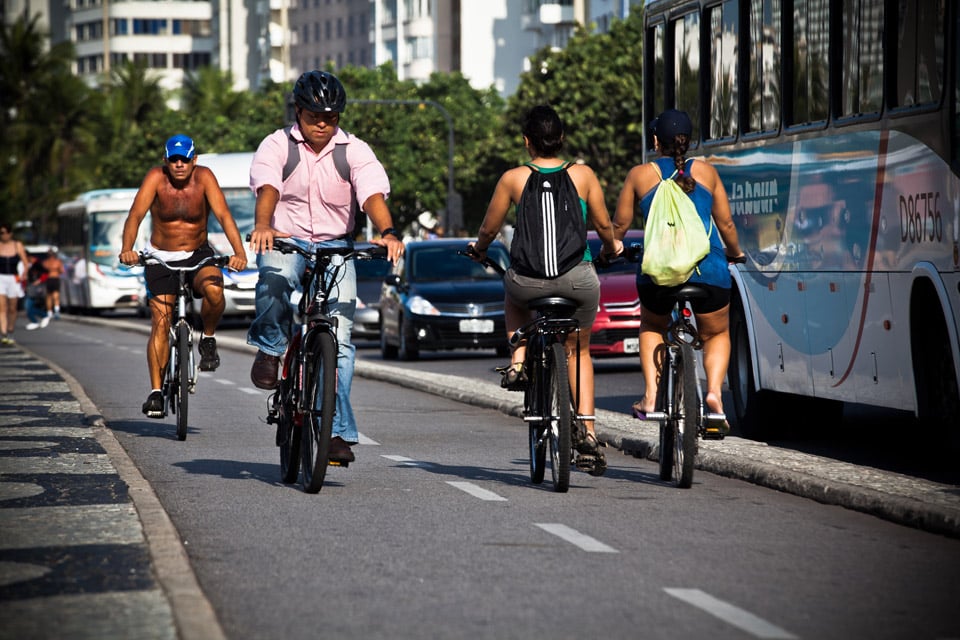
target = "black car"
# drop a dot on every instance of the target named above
(436, 299)
(366, 319)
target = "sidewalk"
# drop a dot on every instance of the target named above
(87, 551)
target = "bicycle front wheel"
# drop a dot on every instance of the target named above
(289, 423)
(686, 401)
(181, 376)
(320, 382)
(558, 413)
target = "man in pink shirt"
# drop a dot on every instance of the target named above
(313, 206)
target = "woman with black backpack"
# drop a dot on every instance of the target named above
(549, 254)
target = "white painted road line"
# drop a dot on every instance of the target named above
(365, 440)
(476, 492)
(407, 462)
(744, 620)
(576, 538)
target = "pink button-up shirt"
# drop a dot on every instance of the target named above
(315, 202)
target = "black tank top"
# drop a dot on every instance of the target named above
(8, 265)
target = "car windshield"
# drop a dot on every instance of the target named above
(371, 269)
(443, 264)
(617, 267)
(241, 203)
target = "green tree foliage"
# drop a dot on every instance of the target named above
(62, 137)
(595, 85)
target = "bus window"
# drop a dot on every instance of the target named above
(686, 69)
(862, 85)
(723, 76)
(656, 99)
(765, 65)
(920, 52)
(811, 64)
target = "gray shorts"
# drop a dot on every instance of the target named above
(580, 284)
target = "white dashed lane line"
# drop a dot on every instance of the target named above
(574, 537)
(405, 461)
(477, 492)
(743, 620)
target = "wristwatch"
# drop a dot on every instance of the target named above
(389, 231)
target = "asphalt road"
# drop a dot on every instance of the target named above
(437, 532)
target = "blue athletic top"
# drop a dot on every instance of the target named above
(713, 269)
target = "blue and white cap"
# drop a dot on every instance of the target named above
(179, 145)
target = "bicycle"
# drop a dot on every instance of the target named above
(680, 408)
(307, 388)
(550, 407)
(180, 373)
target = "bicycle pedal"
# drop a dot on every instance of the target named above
(656, 416)
(337, 463)
(715, 426)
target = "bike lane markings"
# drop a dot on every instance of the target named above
(574, 537)
(476, 492)
(405, 461)
(362, 439)
(733, 615)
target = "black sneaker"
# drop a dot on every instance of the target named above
(153, 407)
(209, 358)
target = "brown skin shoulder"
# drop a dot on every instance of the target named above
(180, 196)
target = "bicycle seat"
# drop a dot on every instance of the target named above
(685, 292)
(565, 306)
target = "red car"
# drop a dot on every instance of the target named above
(616, 330)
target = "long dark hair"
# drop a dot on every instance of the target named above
(544, 129)
(677, 149)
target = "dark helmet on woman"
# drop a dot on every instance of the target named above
(319, 91)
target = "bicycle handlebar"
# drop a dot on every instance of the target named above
(360, 251)
(471, 253)
(219, 261)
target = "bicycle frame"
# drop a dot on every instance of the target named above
(303, 405)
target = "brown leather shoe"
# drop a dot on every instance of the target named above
(340, 450)
(264, 370)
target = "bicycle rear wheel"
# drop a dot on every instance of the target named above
(538, 444)
(559, 415)
(668, 426)
(181, 373)
(320, 382)
(686, 401)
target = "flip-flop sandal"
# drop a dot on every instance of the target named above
(638, 412)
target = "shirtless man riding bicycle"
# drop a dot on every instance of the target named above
(180, 196)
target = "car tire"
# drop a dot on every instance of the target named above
(408, 344)
(387, 350)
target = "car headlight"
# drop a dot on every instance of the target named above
(422, 306)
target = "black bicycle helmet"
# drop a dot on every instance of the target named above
(319, 91)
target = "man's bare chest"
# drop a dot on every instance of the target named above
(188, 205)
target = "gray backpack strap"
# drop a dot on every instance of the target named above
(293, 154)
(340, 159)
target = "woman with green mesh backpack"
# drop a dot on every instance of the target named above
(699, 180)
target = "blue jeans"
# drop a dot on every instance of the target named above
(35, 309)
(270, 330)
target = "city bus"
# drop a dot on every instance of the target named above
(89, 236)
(835, 127)
(233, 174)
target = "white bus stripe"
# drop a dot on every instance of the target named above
(744, 620)
(475, 491)
(576, 538)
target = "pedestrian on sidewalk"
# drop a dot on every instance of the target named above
(14, 261)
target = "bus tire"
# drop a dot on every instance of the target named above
(753, 411)
(935, 377)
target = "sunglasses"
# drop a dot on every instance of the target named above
(176, 159)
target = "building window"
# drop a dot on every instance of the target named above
(148, 26)
(419, 48)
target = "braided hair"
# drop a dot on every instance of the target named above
(677, 149)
